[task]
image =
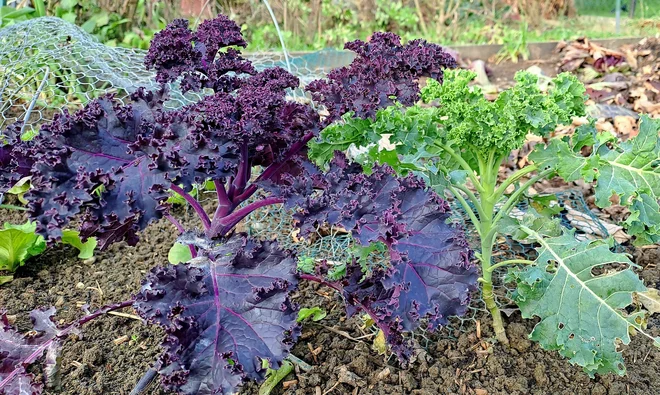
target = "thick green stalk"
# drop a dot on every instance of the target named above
(487, 242)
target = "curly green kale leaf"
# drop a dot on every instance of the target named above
(582, 314)
(502, 125)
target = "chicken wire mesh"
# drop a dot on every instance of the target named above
(48, 65)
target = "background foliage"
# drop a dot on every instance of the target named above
(317, 24)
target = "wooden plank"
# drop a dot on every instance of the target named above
(329, 58)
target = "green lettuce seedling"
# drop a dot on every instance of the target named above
(18, 243)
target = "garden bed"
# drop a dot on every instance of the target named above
(115, 351)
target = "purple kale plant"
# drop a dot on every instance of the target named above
(383, 72)
(227, 313)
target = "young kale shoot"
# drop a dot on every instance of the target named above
(458, 146)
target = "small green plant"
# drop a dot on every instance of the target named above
(514, 45)
(315, 314)
(11, 15)
(458, 148)
(18, 243)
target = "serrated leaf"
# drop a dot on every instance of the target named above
(644, 220)
(18, 351)
(633, 167)
(628, 170)
(224, 313)
(531, 219)
(582, 314)
(306, 264)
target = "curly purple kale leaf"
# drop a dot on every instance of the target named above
(430, 275)
(196, 57)
(383, 72)
(18, 351)
(223, 315)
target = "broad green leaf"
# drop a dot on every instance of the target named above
(531, 219)
(632, 167)
(5, 279)
(559, 156)
(582, 314)
(628, 170)
(315, 313)
(644, 220)
(70, 17)
(18, 243)
(339, 136)
(179, 253)
(86, 249)
(546, 205)
(89, 25)
(68, 5)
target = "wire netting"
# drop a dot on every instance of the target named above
(48, 65)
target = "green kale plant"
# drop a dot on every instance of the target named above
(457, 140)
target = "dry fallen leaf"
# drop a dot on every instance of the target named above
(650, 299)
(626, 126)
(380, 346)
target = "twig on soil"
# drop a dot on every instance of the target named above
(120, 340)
(331, 388)
(125, 315)
(342, 333)
(98, 289)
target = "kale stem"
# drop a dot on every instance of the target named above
(488, 235)
(515, 196)
(473, 198)
(243, 173)
(181, 229)
(511, 262)
(227, 223)
(467, 208)
(36, 354)
(499, 192)
(462, 163)
(195, 205)
(334, 285)
(225, 205)
(274, 168)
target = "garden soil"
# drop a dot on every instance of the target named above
(113, 351)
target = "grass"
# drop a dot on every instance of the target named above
(644, 8)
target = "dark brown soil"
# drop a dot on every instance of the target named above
(451, 362)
